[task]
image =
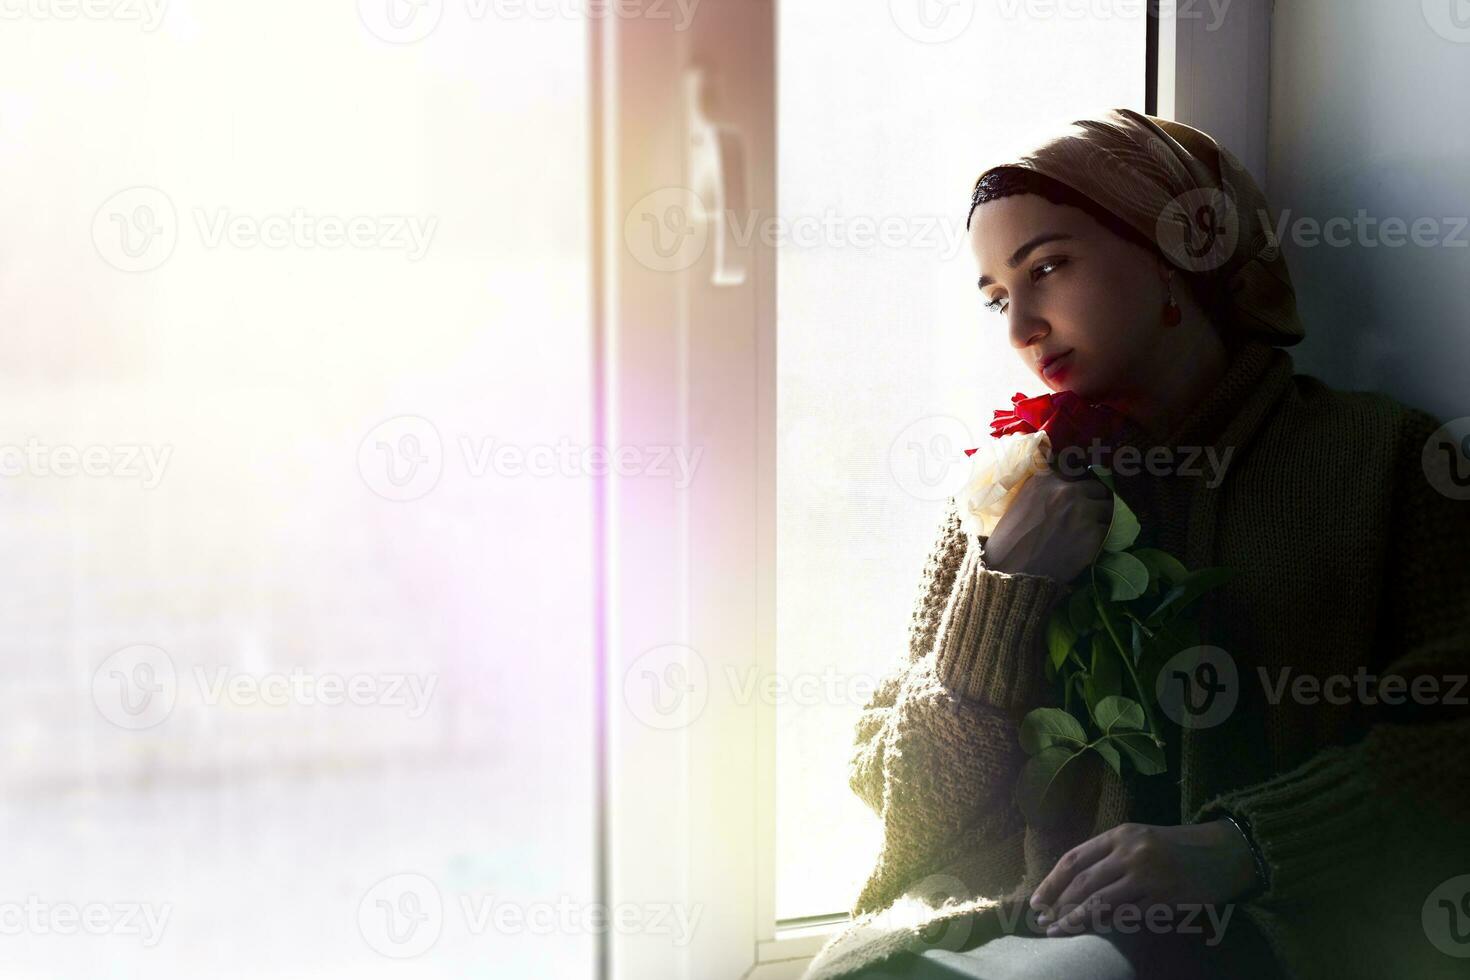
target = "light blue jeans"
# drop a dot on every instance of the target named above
(1088, 956)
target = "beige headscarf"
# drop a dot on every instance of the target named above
(1188, 194)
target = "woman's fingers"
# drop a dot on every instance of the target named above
(1084, 855)
(1085, 883)
(1099, 904)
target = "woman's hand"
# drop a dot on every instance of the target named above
(1142, 865)
(1054, 527)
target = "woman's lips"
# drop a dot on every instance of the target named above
(1057, 365)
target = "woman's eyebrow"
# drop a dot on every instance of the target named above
(1019, 255)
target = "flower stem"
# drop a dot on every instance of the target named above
(1143, 696)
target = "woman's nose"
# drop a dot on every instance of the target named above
(1026, 328)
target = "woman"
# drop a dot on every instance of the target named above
(1295, 834)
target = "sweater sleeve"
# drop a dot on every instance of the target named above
(936, 749)
(1389, 811)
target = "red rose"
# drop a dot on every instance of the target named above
(1066, 419)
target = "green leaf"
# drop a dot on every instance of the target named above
(1104, 474)
(1161, 564)
(1109, 752)
(1105, 679)
(1060, 638)
(1146, 755)
(1116, 715)
(1136, 644)
(1043, 728)
(1123, 530)
(1080, 610)
(1193, 585)
(1178, 634)
(1043, 785)
(1126, 576)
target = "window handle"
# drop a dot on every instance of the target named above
(717, 178)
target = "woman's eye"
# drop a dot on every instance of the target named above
(997, 306)
(1050, 265)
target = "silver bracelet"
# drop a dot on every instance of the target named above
(1263, 877)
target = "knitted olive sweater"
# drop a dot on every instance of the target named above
(1347, 560)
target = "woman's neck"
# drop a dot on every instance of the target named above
(1177, 379)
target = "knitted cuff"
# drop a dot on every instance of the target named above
(989, 643)
(1309, 823)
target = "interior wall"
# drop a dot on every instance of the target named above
(1368, 103)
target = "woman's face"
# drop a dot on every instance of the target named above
(1061, 283)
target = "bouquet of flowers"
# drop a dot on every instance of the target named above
(1130, 612)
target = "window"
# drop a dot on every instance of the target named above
(291, 644)
(886, 365)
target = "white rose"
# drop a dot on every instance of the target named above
(1001, 467)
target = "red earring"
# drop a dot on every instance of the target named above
(1172, 313)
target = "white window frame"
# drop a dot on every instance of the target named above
(686, 358)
